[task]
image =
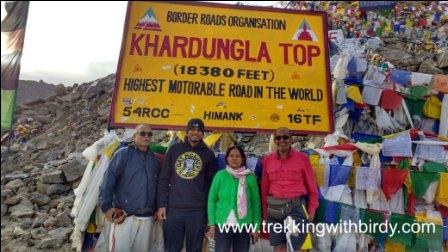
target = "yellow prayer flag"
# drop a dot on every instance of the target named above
(319, 174)
(354, 94)
(314, 159)
(394, 247)
(351, 182)
(442, 190)
(110, 149)
(408, 183)
(211, 140)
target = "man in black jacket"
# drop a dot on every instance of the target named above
(183, 187)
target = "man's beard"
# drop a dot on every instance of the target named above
(194, 139)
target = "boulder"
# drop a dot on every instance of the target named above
(62, 220)
(4, 209)
(12, 201)
(18, 231)
(60, 90)
(442, 59)
(44, 119)
(395, 55)
(429, 67)
(27, 223)
(55, 177)
(39, 199)
(49, 223)
(71, 98)
(42, 188)
(14, 176)
(73, 170)
(38, 233)
(29, 168)
(48, 243)
(60, 233)
(91, 92)
(24, 209)
(15, 184)
(7, 193)
(57, 189)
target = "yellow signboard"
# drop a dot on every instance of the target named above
(238, 68)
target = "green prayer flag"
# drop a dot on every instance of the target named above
(7, 109)
(428, 239)
(421, 181)
(371, 217)
(405, 163)
(415, 106)
(399, 220)
(157, 148)
(434, 167)
(419, 91)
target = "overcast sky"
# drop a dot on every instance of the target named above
(74, 42)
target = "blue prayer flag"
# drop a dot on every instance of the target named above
(339, 174)
(400, 77)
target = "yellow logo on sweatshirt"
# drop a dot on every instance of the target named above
(188, 165)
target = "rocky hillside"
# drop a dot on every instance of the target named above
(30, 90)
(46, 164)
(396, 51)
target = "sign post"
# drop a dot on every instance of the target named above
(238, 68)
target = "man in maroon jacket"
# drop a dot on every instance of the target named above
(288, 188)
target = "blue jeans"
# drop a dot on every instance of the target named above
(180, 223)
(298, 214)
(240, 242)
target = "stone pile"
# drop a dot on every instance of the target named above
(45, 165)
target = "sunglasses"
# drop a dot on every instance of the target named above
(284, 138)
(143, 134)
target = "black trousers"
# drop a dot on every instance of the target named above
(240, 242)
(188, 224)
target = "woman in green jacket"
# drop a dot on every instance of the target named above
(234, 209)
